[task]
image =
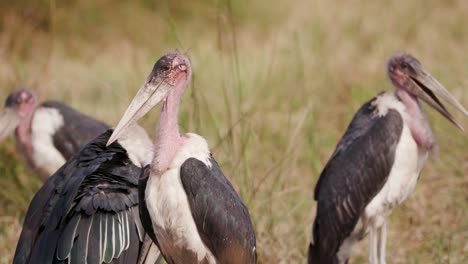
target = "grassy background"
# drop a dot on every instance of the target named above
(274, 88)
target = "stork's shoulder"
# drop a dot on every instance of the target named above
(194, 146)
(386, 101)
(46, 120)
(378, 106)
(62, 108)
(196, 139)
(55, 104)
(80, 120)
(138, 145)
(372, 112)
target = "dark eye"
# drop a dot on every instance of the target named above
(165, 68)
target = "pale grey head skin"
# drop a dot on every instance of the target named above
(407, 74)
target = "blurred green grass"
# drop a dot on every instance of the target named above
(274, 88)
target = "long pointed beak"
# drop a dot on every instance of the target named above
(9, 120)
(149, 95)
(430, 88)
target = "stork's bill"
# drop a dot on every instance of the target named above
(9, 120)
(406, 71)
(170, 71)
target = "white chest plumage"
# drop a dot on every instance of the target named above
(45, 122)
(168, 205)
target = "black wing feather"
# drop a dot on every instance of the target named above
(32, 221)
(71, 218)
(94, 240)
(78, 129)
(356, 172)
(222, 220)
(65, 242)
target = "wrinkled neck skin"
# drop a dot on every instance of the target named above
(417, 120)
(23, 138)
(168, 138)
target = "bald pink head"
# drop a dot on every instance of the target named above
(23, 101)
(401, 67)
(173, 67)
(168, 79)
(409, 76)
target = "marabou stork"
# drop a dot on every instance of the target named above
(47, 134)
(187, 205)
(87, 212)
(376, 164)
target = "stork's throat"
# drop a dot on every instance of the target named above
(417, 120)
(168, 138)
(24, 139)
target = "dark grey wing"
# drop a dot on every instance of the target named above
(362, 122)
(357, 171)
(78, 129)
(222, 220)
(37, 210)
(91, 214)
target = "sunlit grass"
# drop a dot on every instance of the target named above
(274, 87)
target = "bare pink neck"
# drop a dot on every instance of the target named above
(168, 138)
(418, 123)
(23, 138)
